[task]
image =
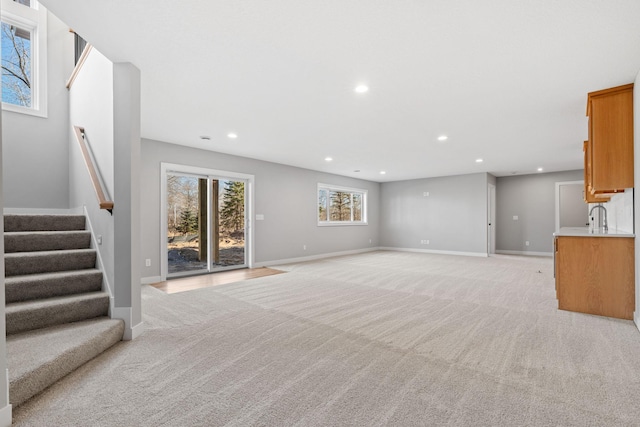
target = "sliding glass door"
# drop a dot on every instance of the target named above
(228, 237)
(206, 224)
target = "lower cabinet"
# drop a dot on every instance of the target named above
(595, 275)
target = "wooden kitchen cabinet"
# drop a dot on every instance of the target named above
(595, 275)
(588, 197)
(610, 144)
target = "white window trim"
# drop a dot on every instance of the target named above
(329, 223)
(35, 20)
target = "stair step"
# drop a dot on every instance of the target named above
(32, 241)
(47, 285)
(29, 315)
(37, 359)
(20, 263)
(14, 222)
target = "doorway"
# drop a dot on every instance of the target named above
(205, 223)
(571, 209)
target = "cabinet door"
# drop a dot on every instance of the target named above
(588, 196)
(595, 275)
(611, 139)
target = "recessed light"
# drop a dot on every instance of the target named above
(540, 169)
(362, 89)
(479, 160)
(383, 172)
(443, 138)
(205, 137)
(328, 159)
(232, 135)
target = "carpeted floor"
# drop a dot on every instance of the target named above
(384, 338)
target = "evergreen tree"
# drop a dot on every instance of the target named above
(232, 211)
(188, 222)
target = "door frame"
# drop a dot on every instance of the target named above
(558, 184)
(166, 168)
(491, 219)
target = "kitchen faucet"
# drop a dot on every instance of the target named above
(604, 224)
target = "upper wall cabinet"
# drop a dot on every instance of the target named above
(588, 197)
(610, 147)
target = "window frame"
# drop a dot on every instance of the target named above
(34, 19)
(337, 188)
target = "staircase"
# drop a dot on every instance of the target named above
(56, 312)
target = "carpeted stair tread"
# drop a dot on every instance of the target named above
(48, 285)
(31, 241)
(15, 222)
(20, 263)
(42, 313)
(37, 359)
(56, 311)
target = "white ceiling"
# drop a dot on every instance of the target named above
(505, 80)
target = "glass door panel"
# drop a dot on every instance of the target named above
(228, 224)
(187, 219)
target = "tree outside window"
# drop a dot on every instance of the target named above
(23, 41)
(341, 206)
(16, 65)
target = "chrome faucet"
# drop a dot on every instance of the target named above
(604, 224)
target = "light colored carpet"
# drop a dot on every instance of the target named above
(384, 338)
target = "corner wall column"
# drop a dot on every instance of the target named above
(126, 212)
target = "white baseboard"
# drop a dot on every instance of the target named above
(136, 331)
(42, 211)
(636, 319)
(434, 251)
(99, 262)
(6, 416)
(130, 332)
(312, 257)
(527, 253)
(149, 280)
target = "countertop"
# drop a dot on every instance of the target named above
(585, 232)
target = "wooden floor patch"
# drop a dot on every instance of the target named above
(214, 279)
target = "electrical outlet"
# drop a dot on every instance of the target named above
(526, 243)
(425, 194)
(147, 262)
(427, 242)
(99, 239)
(515, 217)
(304, 247)
(369, 240)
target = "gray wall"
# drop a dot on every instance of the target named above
(36, 154)
(91, 105)
(126, 207)
(532, 199)
(285, 195)
(105, 99)
(453, 217)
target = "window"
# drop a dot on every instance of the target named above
(341, 205)
(24, 46)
